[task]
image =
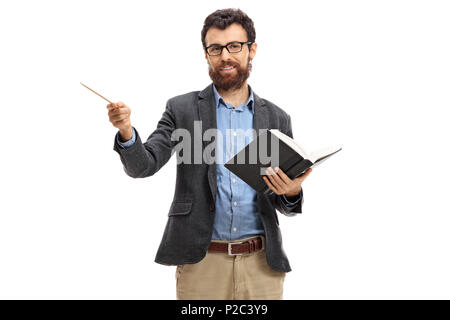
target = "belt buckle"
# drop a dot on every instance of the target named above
(229, 248)
(240, 254)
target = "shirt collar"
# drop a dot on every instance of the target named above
(250, 102)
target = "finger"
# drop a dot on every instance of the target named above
(279, 182)
(274, 179)
(304, 175)
(270, 185)
(117, 111)
(270, 171)
(119, 117)
(121, 121)
(116, 105)
(283, 176)
(112, 106)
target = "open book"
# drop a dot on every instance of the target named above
(250, 163)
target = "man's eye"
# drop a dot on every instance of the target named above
(214, 49)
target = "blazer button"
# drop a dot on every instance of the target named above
(211, 207)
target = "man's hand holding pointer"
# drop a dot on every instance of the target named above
(119, 116)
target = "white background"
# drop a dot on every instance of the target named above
(371, 76)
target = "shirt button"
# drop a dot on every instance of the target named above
(235, 203)
(234, 133)
(234, 180)
(234, 229)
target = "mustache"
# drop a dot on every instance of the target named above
(229, 64)
(228, 81)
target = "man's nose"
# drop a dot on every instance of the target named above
(225, 54)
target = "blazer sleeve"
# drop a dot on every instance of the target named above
(126, 144)
(142, 160)
(277, 200)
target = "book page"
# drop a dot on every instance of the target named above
(289, 141)
(322, 154)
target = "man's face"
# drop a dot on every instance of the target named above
(241, 61)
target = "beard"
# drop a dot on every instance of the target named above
(230, 81)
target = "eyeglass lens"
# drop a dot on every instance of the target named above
(233, 47)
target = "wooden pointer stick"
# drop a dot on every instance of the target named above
(96, 92)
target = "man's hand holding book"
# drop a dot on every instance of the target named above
(280, 183)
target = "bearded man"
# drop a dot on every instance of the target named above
(222, 236)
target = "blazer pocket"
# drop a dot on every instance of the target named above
(179, 208)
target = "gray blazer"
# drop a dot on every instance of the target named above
(189, 227)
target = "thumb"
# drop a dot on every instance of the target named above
(304, 174)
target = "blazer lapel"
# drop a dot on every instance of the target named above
(260, 117)
(207, 116)
(260, 122)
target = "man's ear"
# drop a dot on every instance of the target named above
(253, 49)
(207, 60)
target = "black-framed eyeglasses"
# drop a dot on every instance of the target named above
(232, 47)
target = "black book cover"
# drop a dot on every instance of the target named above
(266, 150)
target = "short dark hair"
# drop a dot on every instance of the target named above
(221, 19)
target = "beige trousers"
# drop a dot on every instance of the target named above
(220, 276)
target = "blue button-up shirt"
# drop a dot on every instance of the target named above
(236, 209)
(237, 215)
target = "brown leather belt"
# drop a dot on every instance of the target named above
(238, 248)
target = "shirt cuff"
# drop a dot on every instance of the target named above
(289, 203)
(126, 143)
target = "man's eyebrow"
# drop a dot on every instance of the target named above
(218, 44)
